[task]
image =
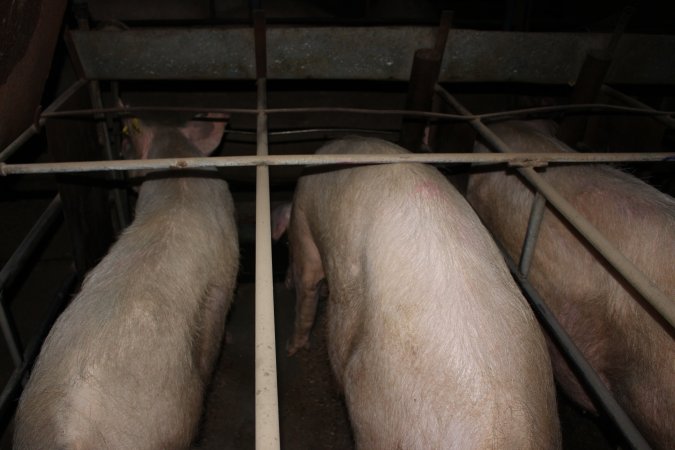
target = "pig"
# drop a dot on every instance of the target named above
(428, 336)
(632, 351)
(126, 364)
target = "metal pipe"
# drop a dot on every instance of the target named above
(15, 264)
(668, 121)
(423, 77)
(12, 388)
(266, 397)
(663, 304)
(532, 233)
(35, 127)
(30, 243)
(591, 107)
(657, 299)
(10, 334)
(512, 159)
(118, 194)
(602, 397)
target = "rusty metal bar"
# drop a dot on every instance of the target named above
(426, 67)
(540, 111)
(620, 96)
(588, 377)
(532, 233)
(423, 78)
(513, 159)
(266, 396)
(625, 268)
(591, 76)
(35, 128)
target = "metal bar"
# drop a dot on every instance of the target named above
(118, 194)
(12, 388)
(590, 79)
(657, 299)
(15, 264)
(513, 159)
(668, 121)
(423, 78)
(35, 128)
(532, 233)
(602, 397)
(27, 247)
(10, 333)
(643, 285)
(588, 108)
(266, 397)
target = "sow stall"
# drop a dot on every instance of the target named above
(437, 60)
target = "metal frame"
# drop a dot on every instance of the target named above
(267, 421)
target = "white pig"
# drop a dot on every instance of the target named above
(632, 352)
(428, 335)
(125, 366)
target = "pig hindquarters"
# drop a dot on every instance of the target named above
(631, 350)
(125, 366)
(428, 335)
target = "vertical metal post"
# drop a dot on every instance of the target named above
(590, 79)
(266, 398)
(423, 77)
(533, 226)
(118, 195)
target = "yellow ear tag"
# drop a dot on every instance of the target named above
(135, 126)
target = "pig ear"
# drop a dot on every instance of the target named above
(281, 216)
(206, 135)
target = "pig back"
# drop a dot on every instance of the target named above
(428, 333)
(121, 367)
(631, 350)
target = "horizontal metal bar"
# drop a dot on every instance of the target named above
(34, 129)
(513, 159)
(602, 397)
(299, 52)
(590, 108)
(624, 267)
(668, 121)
